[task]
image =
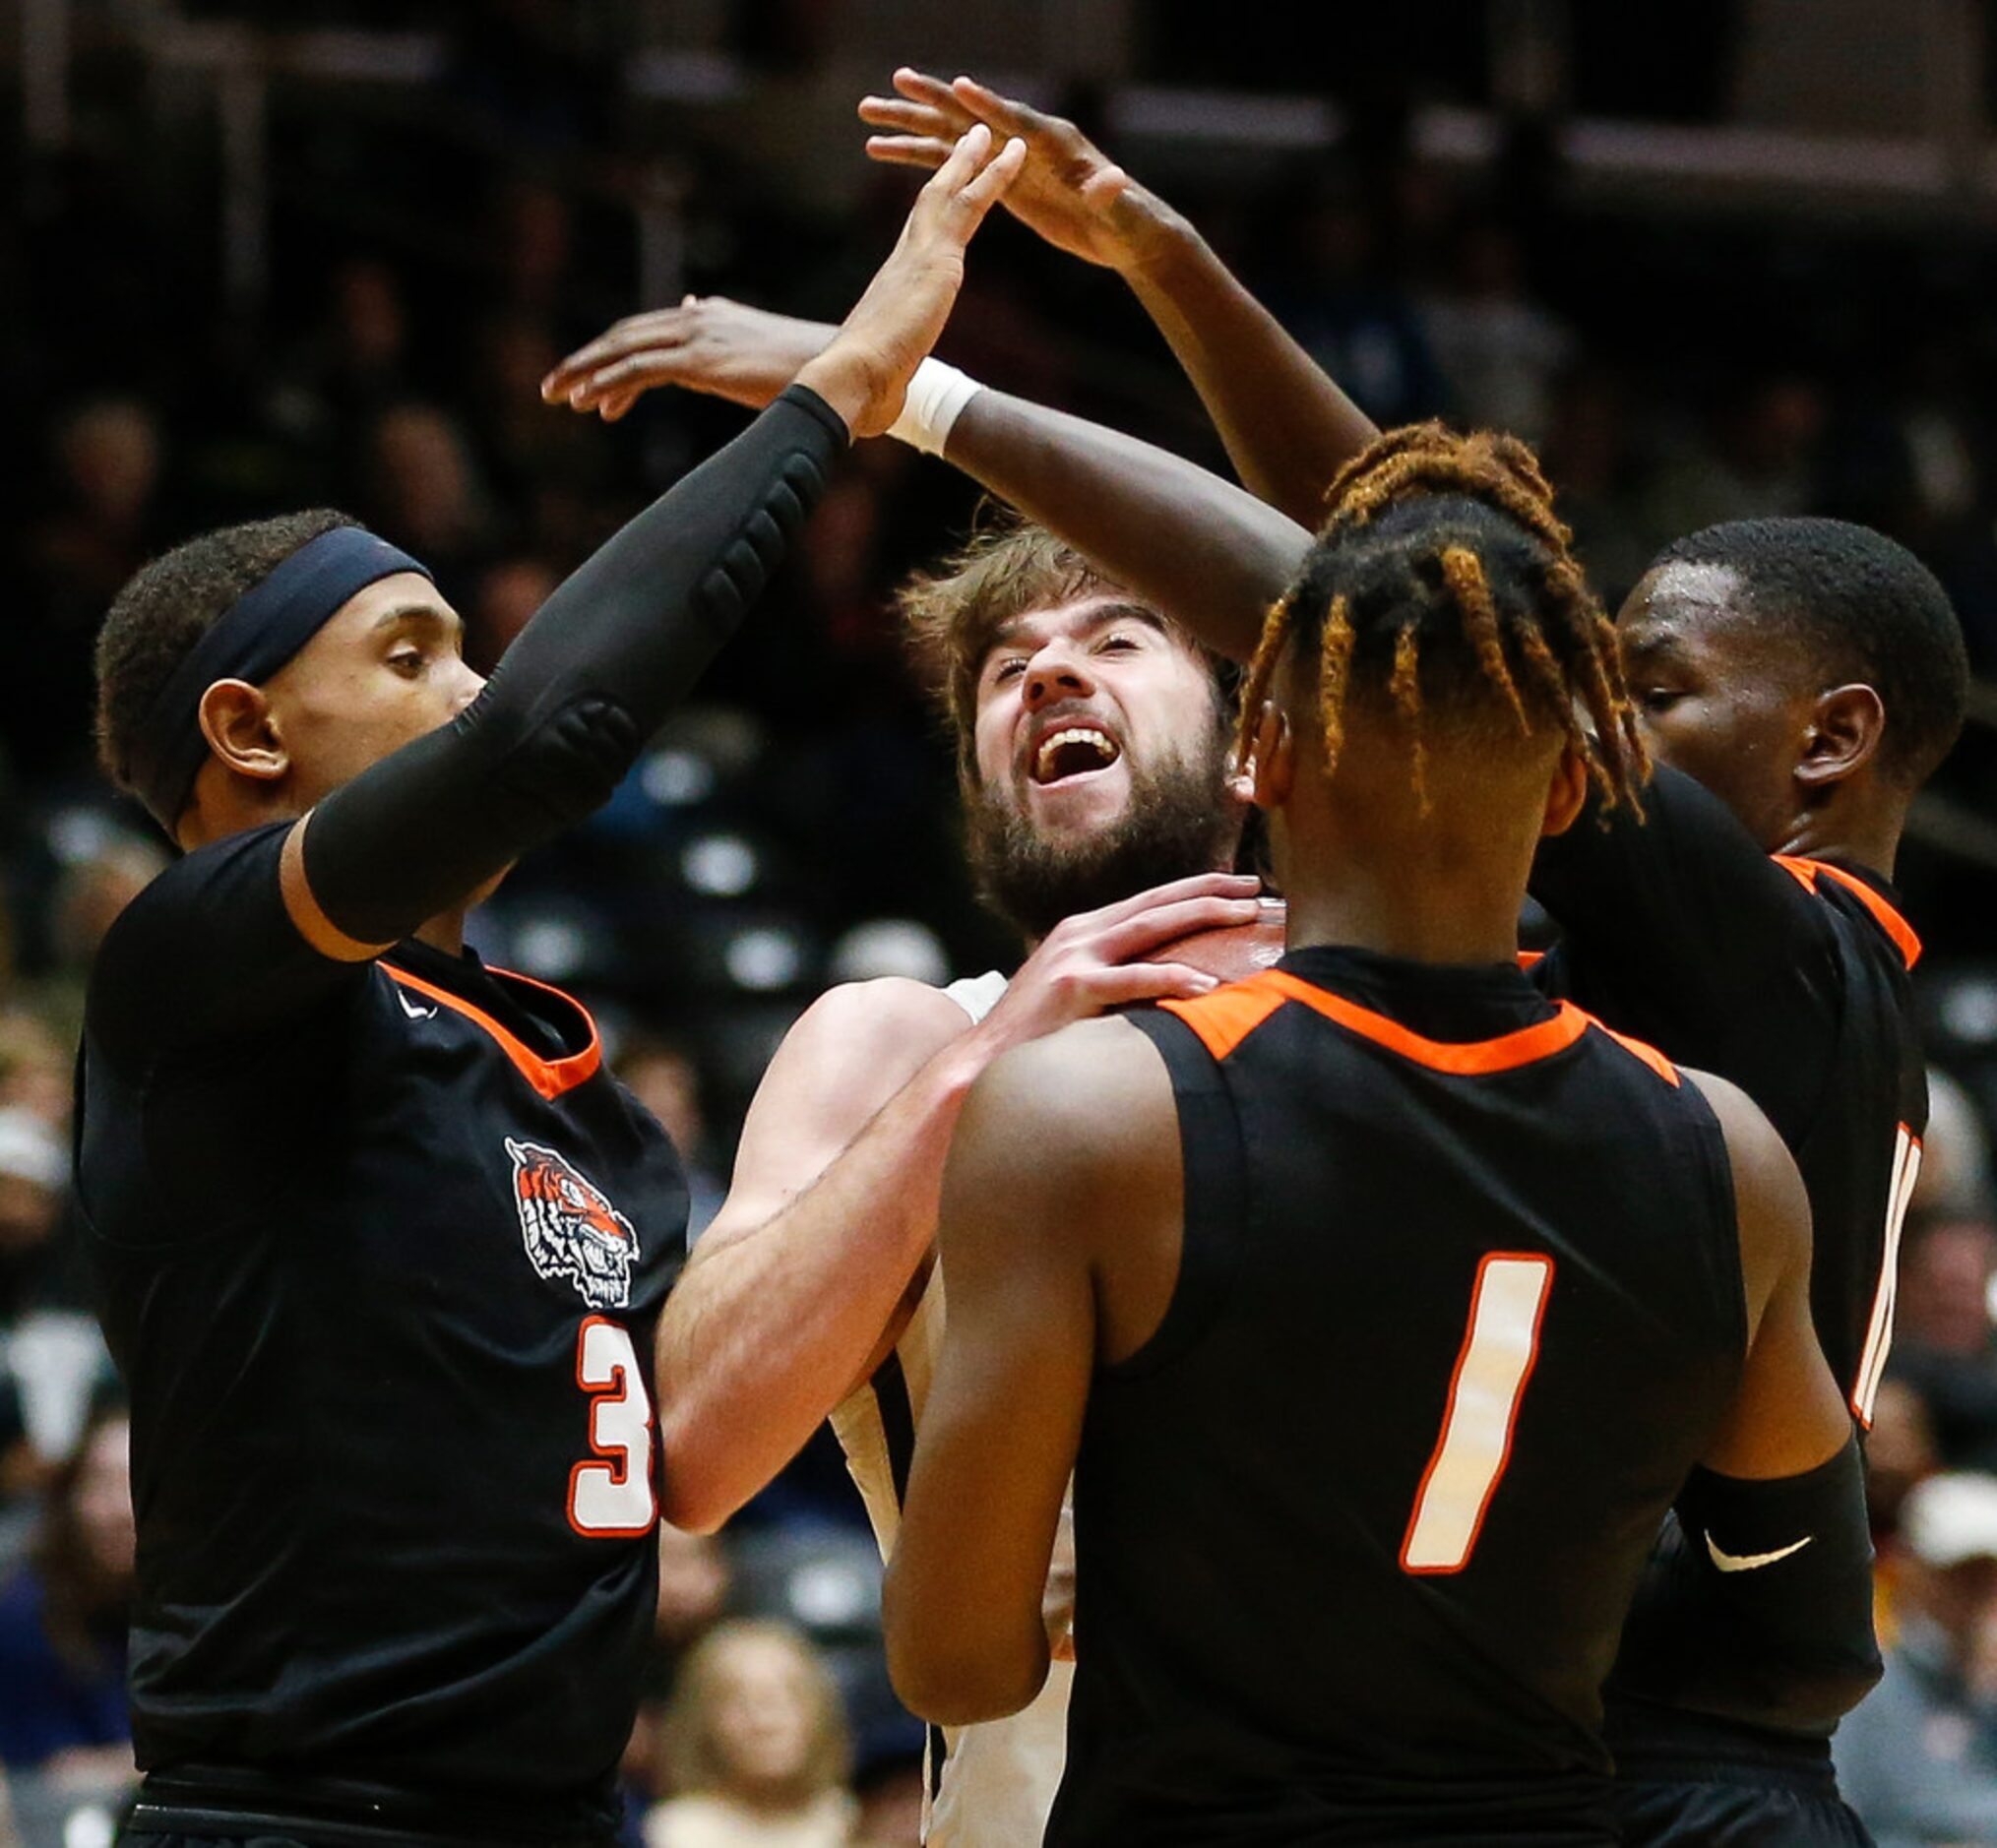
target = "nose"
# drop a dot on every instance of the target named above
(1056, 672)
(470, 684)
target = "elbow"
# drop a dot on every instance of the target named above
(696, 1493)
(947, 1669)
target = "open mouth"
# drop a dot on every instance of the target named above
(1073, 751)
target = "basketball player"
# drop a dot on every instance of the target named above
(1770, 659)
(381, 1242)
(1093, 755)
(1373, 1410)
(1809, 675)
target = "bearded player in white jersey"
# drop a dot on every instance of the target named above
(1101, 822)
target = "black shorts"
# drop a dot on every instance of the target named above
(1732, 1806)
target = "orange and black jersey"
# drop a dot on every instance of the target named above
(1458, 1305)
(1788, 977)
(382, 1249)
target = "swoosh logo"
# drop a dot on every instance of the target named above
(413, 1010)
(1751, 1562)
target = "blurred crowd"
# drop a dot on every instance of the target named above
(427, 262)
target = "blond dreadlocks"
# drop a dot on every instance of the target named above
(1447, 548)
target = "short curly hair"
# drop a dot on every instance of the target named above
(170, 604)
(1862, 607)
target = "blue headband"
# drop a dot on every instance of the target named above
(250, 641)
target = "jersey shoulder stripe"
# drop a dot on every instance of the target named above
(551, 1077)
(1809, 872)
(1226, 1017)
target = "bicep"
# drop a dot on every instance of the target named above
(852, 1051)
(1788, 1414)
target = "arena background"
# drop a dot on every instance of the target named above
(1717, 257)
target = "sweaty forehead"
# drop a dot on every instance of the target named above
(1694, 609)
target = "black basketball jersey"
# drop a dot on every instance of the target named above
(1791, 978)
(1458, 1305)
(381, 1248)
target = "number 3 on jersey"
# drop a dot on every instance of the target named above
(1499, 1348)
(613, 1499)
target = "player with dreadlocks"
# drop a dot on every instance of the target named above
(1309, 1282)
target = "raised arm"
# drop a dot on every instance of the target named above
(1286, 424)
(623, 639)
(1759, 1605)
(803, 1279)
(1111, 497)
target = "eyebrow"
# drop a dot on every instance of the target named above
(417, 613)
(1101, 617)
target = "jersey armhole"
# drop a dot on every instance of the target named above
(1217, 1199)
(1710, 1146)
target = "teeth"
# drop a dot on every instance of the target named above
(1044, 761)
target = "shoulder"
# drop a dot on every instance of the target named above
(1771, 1202)
(864, 1025)
(1083, 1108)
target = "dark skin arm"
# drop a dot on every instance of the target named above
(1059, 1237)
(1788, 1415)
(1288, 426)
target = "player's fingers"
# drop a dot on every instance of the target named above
(909, 150)
(972, 150)
(657, 332)
(990, 185)
(1194, 886)
(1168, 923)
(1004, 115)
(617, 404)
(911, 118)
(1148, 981)
(919, 87)
(639, 370)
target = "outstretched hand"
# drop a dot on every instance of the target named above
(861, 368)
(1069, 191)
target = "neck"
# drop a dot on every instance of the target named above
(445, 932)
(1440, 913)
(1874, 845)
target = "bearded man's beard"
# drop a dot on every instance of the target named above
(1180, 820)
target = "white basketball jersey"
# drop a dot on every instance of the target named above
(990, 1785)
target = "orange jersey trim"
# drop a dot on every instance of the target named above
(1225, 1017)
(551, 1077)
(1808, 872)
(1640, 1049)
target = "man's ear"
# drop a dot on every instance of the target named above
(1272, 758)
(1843, 737)
(1567, 793)
(236, 722)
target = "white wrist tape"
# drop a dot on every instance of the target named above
(937, 395)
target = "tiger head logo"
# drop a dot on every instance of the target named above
(570, 1228)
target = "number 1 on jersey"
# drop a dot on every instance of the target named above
(613, 1499)
(1500, 1346)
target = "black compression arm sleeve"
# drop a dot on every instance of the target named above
(1757, 1605)
(588, 680)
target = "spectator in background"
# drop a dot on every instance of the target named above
(1943, 1343)
(1758, 460)
(37, 1065)
(34, 1169)
(666, 1081)
(1899, 1455)
(353, 366)
(693, 1593)
(63, 1620)
(510, 590)
(1498, 350)
(1954, 1173)
(754, 1747)
(103, 524)
(424, 493)
(1919, 1758)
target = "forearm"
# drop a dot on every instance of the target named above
(1288, 426)
(589, 679)
(1739, 1617)
(771, 1325)
(1195, 547)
